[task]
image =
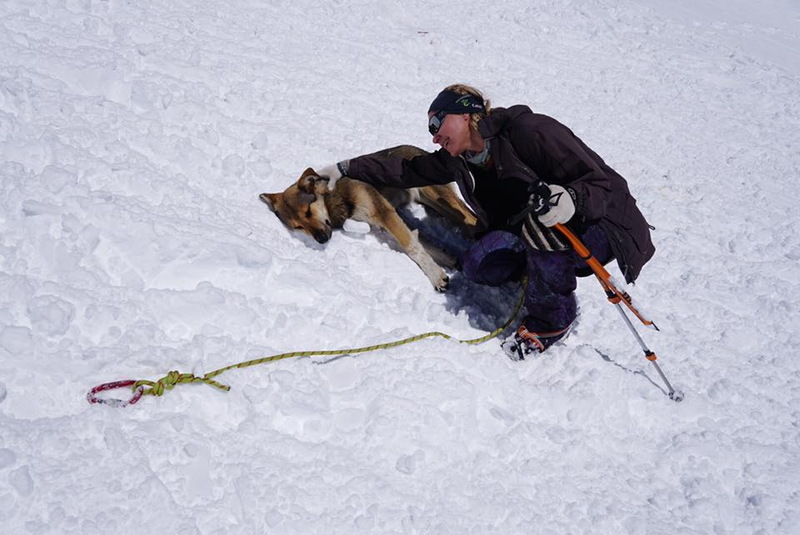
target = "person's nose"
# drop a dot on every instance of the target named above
(437, 138)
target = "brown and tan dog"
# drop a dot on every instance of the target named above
(310, 206)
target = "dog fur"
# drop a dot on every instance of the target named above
(310, 206)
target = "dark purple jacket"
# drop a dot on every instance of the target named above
(524, 146)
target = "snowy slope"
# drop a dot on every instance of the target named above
(134, 140)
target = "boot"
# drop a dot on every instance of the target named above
(525, 343)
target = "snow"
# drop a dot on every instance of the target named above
(135, 138)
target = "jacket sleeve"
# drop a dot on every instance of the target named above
(559, 157)
(423, 170)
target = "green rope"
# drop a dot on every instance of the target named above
(174, 378)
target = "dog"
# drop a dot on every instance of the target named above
(310, 206)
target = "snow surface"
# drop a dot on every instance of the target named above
(134, 140)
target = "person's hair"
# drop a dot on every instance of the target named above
(463, 89)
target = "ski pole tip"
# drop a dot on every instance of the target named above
(676, 396)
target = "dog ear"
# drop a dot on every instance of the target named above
(307, 180)
(271, 200)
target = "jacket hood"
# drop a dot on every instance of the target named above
(499, 118)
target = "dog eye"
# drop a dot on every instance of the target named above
(308, 212)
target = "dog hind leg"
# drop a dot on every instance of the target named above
(443, 200)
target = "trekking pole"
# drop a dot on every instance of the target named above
(617, 296)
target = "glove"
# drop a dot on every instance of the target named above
(542, 238)
(547, 206)
(561, 204)
(333, 173)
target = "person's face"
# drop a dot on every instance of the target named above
(453, 134)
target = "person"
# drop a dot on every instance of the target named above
(501, 158)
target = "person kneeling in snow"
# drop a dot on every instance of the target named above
(501, 158)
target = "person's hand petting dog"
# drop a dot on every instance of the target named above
(333, 173)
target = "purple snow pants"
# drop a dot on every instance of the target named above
(500, 256)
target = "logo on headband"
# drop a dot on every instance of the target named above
(469, 101)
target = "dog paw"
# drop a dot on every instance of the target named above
(442, 283)
(432, 270)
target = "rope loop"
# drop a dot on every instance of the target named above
(173, 378)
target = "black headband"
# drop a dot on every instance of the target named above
(452, 102)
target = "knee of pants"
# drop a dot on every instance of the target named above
(495, 268)
(494, 259)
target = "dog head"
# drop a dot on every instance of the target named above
(301, 206)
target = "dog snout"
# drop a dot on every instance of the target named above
(322, 236)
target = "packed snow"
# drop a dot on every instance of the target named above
(135, 138)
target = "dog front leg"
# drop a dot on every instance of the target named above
(387, 219)
(425, 261)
